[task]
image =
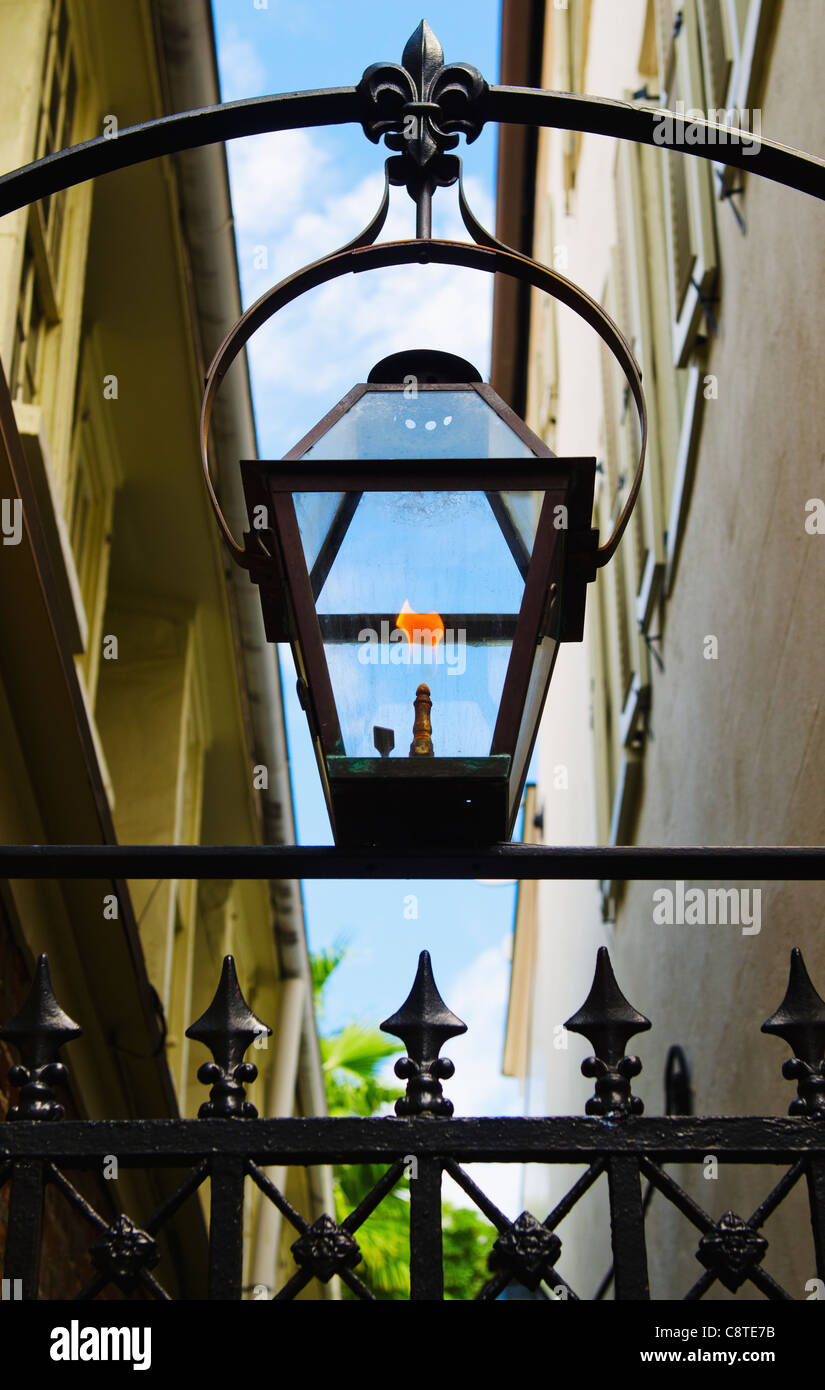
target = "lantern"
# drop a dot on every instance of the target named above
(424, 553)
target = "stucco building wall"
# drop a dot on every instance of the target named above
(732, 750)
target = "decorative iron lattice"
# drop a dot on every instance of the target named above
(228, 1143)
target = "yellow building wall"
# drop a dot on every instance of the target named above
(137, 606)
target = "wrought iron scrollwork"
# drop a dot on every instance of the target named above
(326, 1249)
(526, 1251)
(123, 1253)
(731, 1250)
(420, 109)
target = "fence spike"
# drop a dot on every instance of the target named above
(608, 1022)
(424, 1024)
(227, 1028)
(39, 1030)
(800, 1021)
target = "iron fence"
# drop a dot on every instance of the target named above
(228, 1143)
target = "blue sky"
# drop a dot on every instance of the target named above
(298, 195)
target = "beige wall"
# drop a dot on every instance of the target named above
(737, 752)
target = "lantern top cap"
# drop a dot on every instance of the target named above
(428, 366)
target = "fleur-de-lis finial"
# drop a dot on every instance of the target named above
(608, 1022)
(39, 1030)
(227, 1028)
(421, 108)
(424, 1024)
(800, 1021)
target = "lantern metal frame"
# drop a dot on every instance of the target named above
(364, 255)
(382, 799)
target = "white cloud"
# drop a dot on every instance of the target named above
(242, 72)
(273, 177)
(479, 997)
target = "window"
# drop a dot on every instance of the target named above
(88, 517)
(57, 111)
(29, 328)
(38, 305)
(674, 399)
(88, 497)
(634, 271)
(716, 53)
(571, 36)
(639, 295)
(181, 942)
(689, 221)
(747, 27)
(735, 38)
(543, 362)
(619, 656)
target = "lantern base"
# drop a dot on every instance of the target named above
(400, 802)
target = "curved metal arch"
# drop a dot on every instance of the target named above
(211, 125)
(494, 259)
(644, 125)
(185, 130)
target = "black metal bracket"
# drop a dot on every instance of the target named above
(461, 106)
(753, 863)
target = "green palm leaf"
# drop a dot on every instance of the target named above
(357, 1050)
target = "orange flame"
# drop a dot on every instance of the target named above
(424, 628)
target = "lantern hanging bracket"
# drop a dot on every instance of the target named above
(493, 257)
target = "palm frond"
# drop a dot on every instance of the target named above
(356, 1049)
(324, 963)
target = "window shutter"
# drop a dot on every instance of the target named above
(574, 38)
(662, 383)
(665, 13)
(622, 692)
(601, 714)
(749, 24)
(637, 269)
(717, 55)
(691, 233)
(747, 27)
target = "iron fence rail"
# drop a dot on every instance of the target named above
(227, 1153)
(555, 1139)
(765, 863)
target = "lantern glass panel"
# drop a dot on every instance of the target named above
(434, 424)
(421, 586)
(316, 512)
